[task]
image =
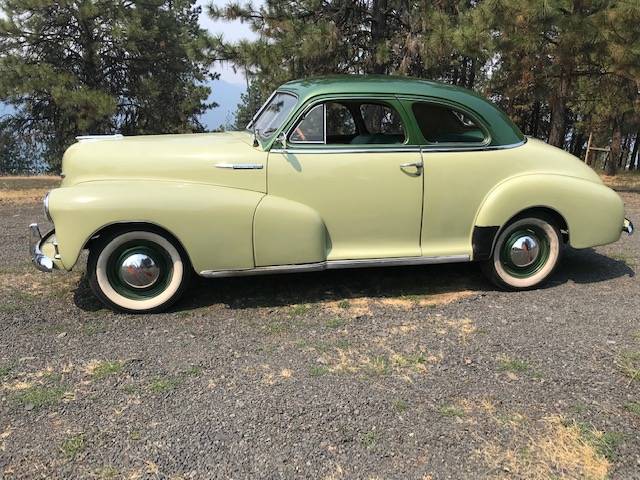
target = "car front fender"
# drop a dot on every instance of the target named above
(593, 212)
(214, 224)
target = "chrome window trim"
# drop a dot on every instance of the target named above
(257, 114)
(471, 148)
(264, 105)
(324, 101)
(337, 264)
(468, 112)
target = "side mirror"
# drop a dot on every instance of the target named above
(282, 138)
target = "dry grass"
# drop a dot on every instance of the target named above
(556, 449)
(364, 306)
(20, 190)
(625, 181)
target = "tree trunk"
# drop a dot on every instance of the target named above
(558, 104)
(378, 34)
(634, 153)
(616, 145)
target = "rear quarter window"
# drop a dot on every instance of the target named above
(442, 124)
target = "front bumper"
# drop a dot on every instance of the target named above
(628, 226)
(43, 262)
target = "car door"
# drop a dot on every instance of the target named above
(460, 169)
(348, 159)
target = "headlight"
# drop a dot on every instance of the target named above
(46, 207)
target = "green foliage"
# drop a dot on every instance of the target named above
(561, 69)
(100, 66)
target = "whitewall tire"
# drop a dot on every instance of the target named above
(138, 271)
(525, 253)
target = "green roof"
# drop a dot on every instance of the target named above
(503, 130)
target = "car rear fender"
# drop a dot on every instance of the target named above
(594, 213)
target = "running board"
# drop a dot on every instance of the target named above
(335, 265)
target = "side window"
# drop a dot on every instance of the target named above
(311, 128)
(441, 124)
(350, 122)
(341, 127)
(382, 123)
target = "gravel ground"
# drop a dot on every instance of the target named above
(422, 373)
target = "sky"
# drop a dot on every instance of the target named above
(227, 90)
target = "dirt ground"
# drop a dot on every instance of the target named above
(419, 373)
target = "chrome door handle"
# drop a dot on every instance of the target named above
(419, 165)
(240, 166)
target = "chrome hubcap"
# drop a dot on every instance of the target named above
(524, 251)
(139, 271)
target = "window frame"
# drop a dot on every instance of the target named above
(409, 102)
(302, 119)
(392, 102)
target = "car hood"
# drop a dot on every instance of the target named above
(187, 158)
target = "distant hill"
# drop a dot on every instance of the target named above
(227, 96)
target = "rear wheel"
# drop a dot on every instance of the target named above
(525, 254)
(138, 271)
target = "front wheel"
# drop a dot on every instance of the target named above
(525, 254)
(138, 271)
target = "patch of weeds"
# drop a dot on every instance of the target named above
(633, 407)
(342, 344)
(40, 396)
(94, 327)
(413, 360)
(369, 439)
(318, 370)
(163, 384)
(7, 308)
(130, 389)
(277, 328)
(135, 435)
(193, 371)
(298, 310)
(336, 323)
(514, 365)
(107, 473)
(578, 408)
(448, 410)
(400, 405)
(106, 369)
(5, 370)
(605, 443)
(629, 364)
(379, 365)
(344, 304)
(73, 445)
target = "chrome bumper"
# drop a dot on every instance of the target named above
(628, 226)
(39, 259)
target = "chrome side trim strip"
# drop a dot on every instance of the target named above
(345, 150)
(426, 149)
(336, 265)
(241, 166)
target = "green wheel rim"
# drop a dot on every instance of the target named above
(543, 255)
(159, 256)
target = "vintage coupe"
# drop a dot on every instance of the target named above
(333, 172)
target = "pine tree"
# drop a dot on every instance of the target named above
(101, 66)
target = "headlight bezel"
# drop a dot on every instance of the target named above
(45, 202)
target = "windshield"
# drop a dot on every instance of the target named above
(273, 114)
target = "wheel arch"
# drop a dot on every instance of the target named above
(484, 238)
(129, 226)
